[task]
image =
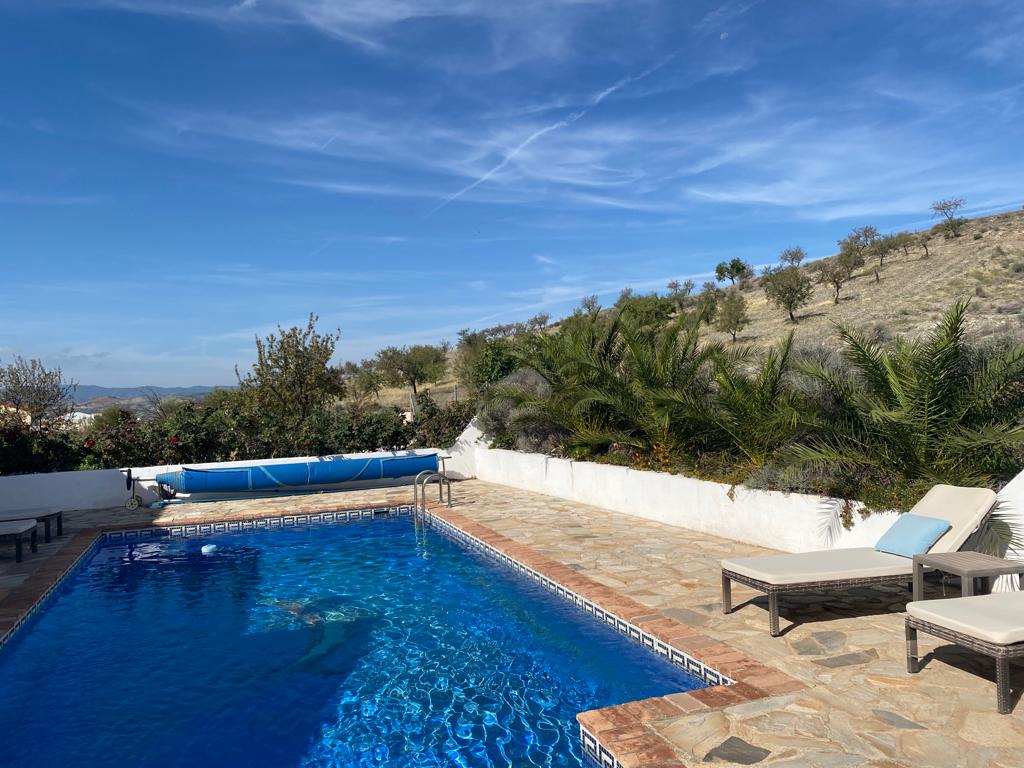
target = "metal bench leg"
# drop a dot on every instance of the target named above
(1003, 685)
(17, 548)
(60, 524)
(46, 531)
(773, 613)
(34, 542)
(912, 666)
(726, 594)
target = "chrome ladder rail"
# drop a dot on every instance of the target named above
(419, 490)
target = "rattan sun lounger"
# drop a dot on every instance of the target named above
(964, 508)
(989, 624)
(16, 531)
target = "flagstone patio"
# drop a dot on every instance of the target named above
(858, 705)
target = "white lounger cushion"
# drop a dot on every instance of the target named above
(996, 618)
(827, 565)
(964, 508)
(19, 526)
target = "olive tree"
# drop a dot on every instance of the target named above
(732, 313)
(733, 270)
(413, 365)
(904, 241)
(883, 246)
(787, 287)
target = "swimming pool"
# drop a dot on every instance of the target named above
(359, 644)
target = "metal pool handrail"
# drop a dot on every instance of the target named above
(420, 485)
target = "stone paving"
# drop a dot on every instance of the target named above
(859, 706)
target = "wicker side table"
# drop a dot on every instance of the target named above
(968, 566)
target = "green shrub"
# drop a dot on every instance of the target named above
(23, 450)
(437, 427)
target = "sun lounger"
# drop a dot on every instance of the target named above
(989, 624)
(16, 531)
(964, 508)
(44, 515)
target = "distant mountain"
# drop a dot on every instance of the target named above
(86, 393)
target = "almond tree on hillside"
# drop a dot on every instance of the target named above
(951, 224)
(854, 247)
(832, 273)
(30, 390)
(791, 257)
(922, 240)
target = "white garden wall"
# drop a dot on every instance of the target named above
(95, 489)
(791, 522)
(99, 489)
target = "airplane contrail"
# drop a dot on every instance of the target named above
(592, 102)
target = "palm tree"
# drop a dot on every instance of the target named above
(650, 389)
(622, 382)
(919, 412)
(558, 359)
(758, 412)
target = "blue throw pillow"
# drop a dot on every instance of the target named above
(912, 535)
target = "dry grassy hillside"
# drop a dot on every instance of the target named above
(986, 263)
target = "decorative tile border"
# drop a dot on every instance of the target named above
(51, 590)
(677, 657)
(256, 523)
(196, 529)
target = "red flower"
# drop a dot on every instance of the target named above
(90, 443)
(173, 439)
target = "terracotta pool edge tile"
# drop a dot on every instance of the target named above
(23, 600)
(766, 681)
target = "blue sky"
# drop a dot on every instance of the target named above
(179, 175)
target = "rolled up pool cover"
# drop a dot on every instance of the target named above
(268, 477)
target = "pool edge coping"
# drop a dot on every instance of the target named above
(622, 735)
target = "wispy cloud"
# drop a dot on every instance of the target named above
(565, 122)
(524, 31)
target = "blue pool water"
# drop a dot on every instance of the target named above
(358, 644)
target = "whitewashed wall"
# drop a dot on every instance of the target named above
(95, 489)
(791, 522)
